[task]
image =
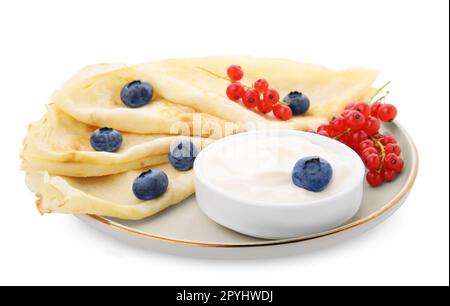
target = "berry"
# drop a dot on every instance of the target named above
(355, 138)
(387, 112)
(373, 162)
(372, 125)
(367, 151)
(374, 109)
(323, 127)
(106, 140)
(338, 124)
(388, 175)
(393, 148)
(150, 185)
(323, 133)
(271, 96)
(363, 108)
(393, 162)
(251, 98)
(235, 91)
(387, 140)
(182, 155)
(368, 143)
(261, 85)
(298, 102)
(265, 107)
(374, 178)
(282, 112)
(312, 173)
(136, 94)
(355, 120)
(235, 73)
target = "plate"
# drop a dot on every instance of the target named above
(185, 223)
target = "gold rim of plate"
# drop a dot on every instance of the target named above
(387, 207)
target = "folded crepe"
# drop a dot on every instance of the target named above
(107, 195)
(59, 144)
(92, 96)
(188, 87)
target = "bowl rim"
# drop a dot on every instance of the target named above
(393, 203)
(355, 182)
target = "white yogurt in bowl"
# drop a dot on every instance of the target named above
(244, 182)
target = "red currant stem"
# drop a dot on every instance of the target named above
(342, 134)
(383, 97)
(383, 151)
(221, 77)
(379, 91)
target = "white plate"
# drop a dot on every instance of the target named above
(185, 224)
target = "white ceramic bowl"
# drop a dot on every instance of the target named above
(281, 220)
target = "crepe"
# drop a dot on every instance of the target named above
(107, 195)
(59, 144)
(93, 97)
(184, 87)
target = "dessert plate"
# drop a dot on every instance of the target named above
(185, 224)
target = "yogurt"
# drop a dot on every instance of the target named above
(258, 168)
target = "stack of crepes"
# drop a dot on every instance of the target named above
(68, 176)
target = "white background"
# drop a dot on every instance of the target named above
(44, 42)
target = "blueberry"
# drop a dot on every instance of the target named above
(106, 139)
(182, 155)
(136, 94)
(312, 173)
(150, 185)
(298, 102)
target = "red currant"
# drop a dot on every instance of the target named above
(372, 125)
(323, 133)
(251, 98)
(282, 112)
(374, 179)
(393, 162)
(271, 96)
(355, 120)
(387, 112)
(261, 85)
(235, 91)
(324, 127)
(374, 109)
(355, 138)
(388, 175)
(373, 162)
(338, 124)
(393, 148)
(367, 151)
(365, 144)
(363, 108)
(235, 73)
(388, 139)
(265, 107)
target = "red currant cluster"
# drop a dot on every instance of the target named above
(358, 127)
(260, 96)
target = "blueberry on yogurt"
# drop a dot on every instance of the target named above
(182, 155)
(150, 185)
(136, 94)
(312, 173)
(106, 140)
